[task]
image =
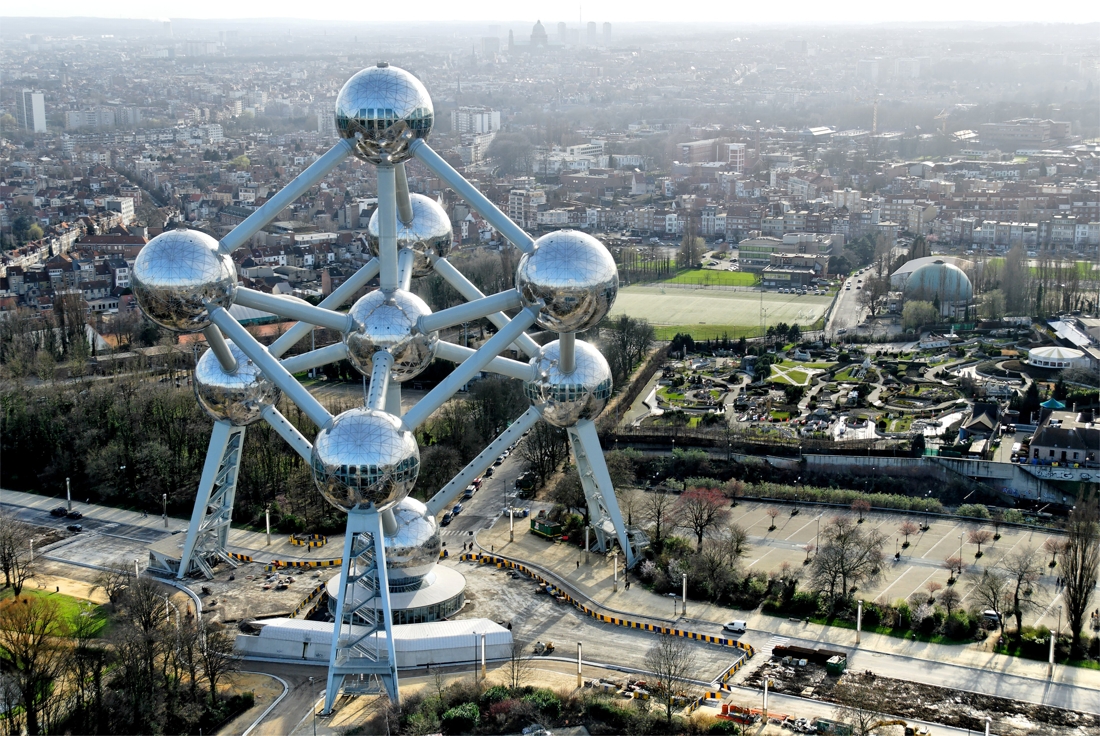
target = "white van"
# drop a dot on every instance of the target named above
(736, 627)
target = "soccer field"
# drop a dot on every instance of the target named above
(695, 309)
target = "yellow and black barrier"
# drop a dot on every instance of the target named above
(310, 602)
(239, 557)
(302, 564)
(308, 540)
(553, 589)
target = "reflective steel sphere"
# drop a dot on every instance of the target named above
(413, 551)
(383, 109)
(176, 272)
(429, 233)
(238, 398)
(564, 400)
(574, 274)
(387, 321)
(365, 457)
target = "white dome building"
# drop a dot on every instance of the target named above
(1057, 357)
(941, 282)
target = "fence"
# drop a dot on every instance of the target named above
(310, 602)
(557, 592)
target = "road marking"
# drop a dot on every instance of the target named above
(891, 585)
(923, 583)
(945, 536)
(796, 531)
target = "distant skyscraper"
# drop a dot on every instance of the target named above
(592, 38)
(607, 35)
(30, 110)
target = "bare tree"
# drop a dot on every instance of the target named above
(114, 580)
(1054, 546)
(659, 510)
(15, 552)
(954, 565)
(979, 537)
(218, 657)
(700, 509)
(519, 667)
(31, 646)
(673, 662)
(1080, 559)
(949, 599)
(772, 513)
(991, 591)
(735, 543)
(544, 449)
(1023, 571)
(933, 587)
(809, 550)
(861, 507)
(908, 527)
(849, 556)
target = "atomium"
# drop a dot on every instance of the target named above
(563, 399)
(365, 457)
(240, 397)
(572, 276)
(177, 274)
(429, 233)
(387, 321)
(383, 109)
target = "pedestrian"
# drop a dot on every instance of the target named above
(492, 548)
(578, 564)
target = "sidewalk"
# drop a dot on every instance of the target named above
(594, 581)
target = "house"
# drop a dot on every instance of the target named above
(982, 421)
(933, 340)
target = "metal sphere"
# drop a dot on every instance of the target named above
(238, 398)
(574, 274)
(565, 399)
(176, 273)
(365, 457)
(414, 549)
(429, 233)
(383, 109)
(387, 321)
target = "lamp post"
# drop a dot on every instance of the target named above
(511, 525)
(960, 552)
(817, 536)
(313, 705)
(68, 495)
(586, 545)
(267, 521)
(615, 571)
(164, 508)
(859, 621)
(580, 677)
(684, 593)
(32, 549)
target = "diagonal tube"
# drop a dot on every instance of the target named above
(339, 295)
(292, 308)
(435, 163)
(470, 311)
(503, 366)
(271, 367)
(301, 184)
(404, 202)
(315, 358)
(471, 293)
(382, 363)
(216, 340)
(289, 432)
(466, 370)
(405, 260)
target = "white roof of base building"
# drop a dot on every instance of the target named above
(1055, 352)
(406, 637)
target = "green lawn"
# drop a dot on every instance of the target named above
(712, 277)
(800, 364)
(792, 377)
(69, 608)
(901, 424)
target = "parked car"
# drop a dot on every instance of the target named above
(59, 511)
(75, 528)
(469, 492)
(74, 514)
(477, 482)
(457, 509)
(447, 519)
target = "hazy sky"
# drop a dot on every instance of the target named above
(706, 11)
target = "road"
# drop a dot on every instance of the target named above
(480, 511)
(847, 312)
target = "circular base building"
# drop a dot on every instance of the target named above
(1057, 357)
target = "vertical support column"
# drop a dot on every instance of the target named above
(335, 679)
(387, 228)
(584, 436)
(208, 531)
(567, 356)
(385, 610)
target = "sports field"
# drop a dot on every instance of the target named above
(713, 277)
(708, 313)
